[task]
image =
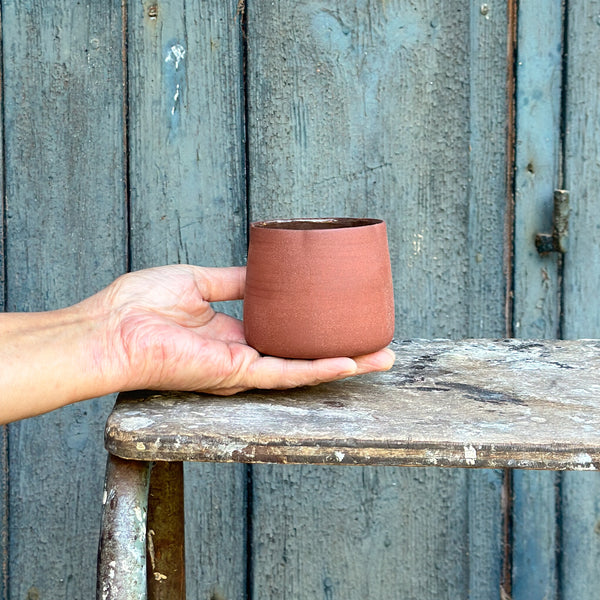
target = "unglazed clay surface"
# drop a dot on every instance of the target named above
(318, 288)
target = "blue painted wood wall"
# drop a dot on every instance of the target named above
(150, 132)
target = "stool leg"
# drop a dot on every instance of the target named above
(122, 552)
(166, 533)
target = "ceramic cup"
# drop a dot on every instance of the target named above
(318, 288)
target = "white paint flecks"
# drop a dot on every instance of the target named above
(176, 55)
(140, 514)
(470, 454)
(584, 462)
(175, 99)
(135, 423)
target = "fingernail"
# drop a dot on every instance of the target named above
(351, 369)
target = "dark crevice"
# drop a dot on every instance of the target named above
(511, 121)
(562, 182)
(507, 533)
(249, 532)
(242, 15)
(562, 172)
(3, 240)
(511, 107)
(558, 498)
(126, 141)
(4, 429)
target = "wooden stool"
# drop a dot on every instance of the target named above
(481, 403)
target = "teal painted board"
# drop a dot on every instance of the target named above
(187, 197)
(582, 172)
(4, 475)
(65, 232)
(537, 169)
(580, 532)
(534, 536)
(186, 116)
(488, 285)
(536, 278)
(380, 110)
(4, 500)
(580, 560)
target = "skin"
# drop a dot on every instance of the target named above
(152, 329)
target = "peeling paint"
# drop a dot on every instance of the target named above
(584, 462)
(175, 55)
(470, 455)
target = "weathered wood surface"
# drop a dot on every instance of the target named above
(579, 558)
(122, 561)
(4, 476)
(65, 239)
(536, 277)
(537, 175)
(395, 110)
(509, 403)
(187, 198)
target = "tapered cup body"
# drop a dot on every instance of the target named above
(318, 288)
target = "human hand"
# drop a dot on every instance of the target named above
(162, 333)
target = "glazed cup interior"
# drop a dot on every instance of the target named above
(312, 224)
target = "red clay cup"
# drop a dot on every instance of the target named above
(318, 288)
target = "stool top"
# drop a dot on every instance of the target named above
(472, 403)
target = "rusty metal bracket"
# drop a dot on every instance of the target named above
(557, 240)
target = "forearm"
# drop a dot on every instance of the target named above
(49, 360)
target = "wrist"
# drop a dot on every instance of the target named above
(48, 360)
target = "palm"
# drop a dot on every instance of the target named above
(169, 328)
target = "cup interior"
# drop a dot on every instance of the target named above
(312, 224)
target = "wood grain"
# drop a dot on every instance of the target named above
(187, 196)
(580, 542)
(478, 403)
(65, 232)
(536, 277)
(4, 466)
(539, 72)
(369, 109)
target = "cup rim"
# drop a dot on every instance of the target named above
(315, 224)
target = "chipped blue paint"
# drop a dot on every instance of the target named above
(174, 81)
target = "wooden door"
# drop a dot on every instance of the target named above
(151, 132)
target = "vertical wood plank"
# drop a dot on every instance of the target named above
(4, 470)
(187, 196)
(536, 278)
(490, 47)
(539, 72)
(395, 110)
(64, 240)
(580, 558)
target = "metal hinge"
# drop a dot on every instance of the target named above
(557, 240)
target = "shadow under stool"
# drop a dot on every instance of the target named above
(472, 403)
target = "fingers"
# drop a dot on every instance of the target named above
(220, 284)
(270, 372)
(382, 360)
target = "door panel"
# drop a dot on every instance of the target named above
(396, 110)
